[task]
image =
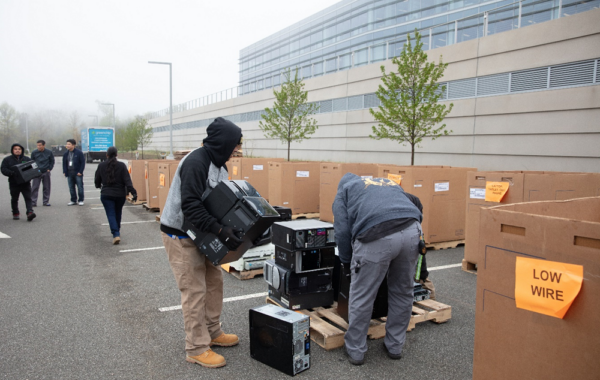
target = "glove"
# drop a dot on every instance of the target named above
(229, 238)
(134, 198)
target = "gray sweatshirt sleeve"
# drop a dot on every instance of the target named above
(342, 227)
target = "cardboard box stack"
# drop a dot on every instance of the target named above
(441, 190)
(166, 172)
(295, 185)
(152, 180)
(523, 186)
(518, 343)
(138, 178)
(234, 168)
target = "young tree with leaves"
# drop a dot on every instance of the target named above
(143, 132)
(9, 126)
(409, 110)
(289, 119)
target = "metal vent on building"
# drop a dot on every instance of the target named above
(443, 90)
(371, 101)
(572, 74)
(492, 84)
(464, 88)
(528, 80)
(340, 104)
(355, 102)
(244, 117)
(325, 106)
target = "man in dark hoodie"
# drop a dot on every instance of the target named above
(200, 282)
(17, 157)
(377, 229)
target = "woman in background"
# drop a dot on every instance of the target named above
(114, 182)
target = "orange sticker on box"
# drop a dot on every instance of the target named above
(235, 170)
(546, 287)
(130, 170)
(396, 178)
(161, 180)
(146, 171)
(494, 191)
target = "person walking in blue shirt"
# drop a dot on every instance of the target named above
(45, 161)
(73, 166)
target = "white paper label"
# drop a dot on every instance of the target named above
(303, 174)
(419, 185)
(191, 234)
(476, 193)
(442, 186)
(286, 203)
(366, 177)
(257, 167)
(246, 177)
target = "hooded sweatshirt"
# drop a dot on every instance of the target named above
(361, 204)
(12, 160)
(202, 168)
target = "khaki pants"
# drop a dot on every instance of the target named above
(201, 286)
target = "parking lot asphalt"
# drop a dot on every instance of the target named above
(74, 306)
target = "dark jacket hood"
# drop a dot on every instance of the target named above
(223, 137)
(22, 150)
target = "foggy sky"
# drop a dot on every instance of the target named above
(66, 54)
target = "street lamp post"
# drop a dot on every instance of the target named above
(170, 156)
(96, 116)
(26, 132)
(113, 106)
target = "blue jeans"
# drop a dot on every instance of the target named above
(75, 179)
(114, 209)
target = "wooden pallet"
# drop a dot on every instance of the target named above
(445, 245)
(243, 275)
(150, 209)
(312, 215)
(469, 267)
(327, 327)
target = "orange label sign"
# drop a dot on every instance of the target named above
(130, 170)
(546, 287)
(235, 170)
(161, 180)
(396, 178)
(146, 171)
(494, 191)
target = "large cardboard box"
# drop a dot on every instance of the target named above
(138, 177)
(524, 186)
(168, 171)
(294, 185)
(513, 343)
(256, 172)
(234, 168)
(441, 190)
(152, 180)
(330, 175)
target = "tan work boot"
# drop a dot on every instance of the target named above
(208, 359)
(116, 240)
(225, 340)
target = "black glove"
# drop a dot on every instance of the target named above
(134, 198)
(229, 237)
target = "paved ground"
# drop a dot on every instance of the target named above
(73, 306)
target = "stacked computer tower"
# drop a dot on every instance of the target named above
(300, 276)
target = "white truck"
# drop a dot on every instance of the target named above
(95, 141)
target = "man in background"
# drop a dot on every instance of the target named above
(45, 162)
(73, 166)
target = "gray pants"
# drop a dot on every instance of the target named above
(35, 187)
(395, 255)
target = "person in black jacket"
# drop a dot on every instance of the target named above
(114, 182)
(200, 282)
(73, 166)
(16, 157)
(45, 160)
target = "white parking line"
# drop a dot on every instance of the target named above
(230, 299)
(4, 236)
(141, 221)
(102, 208)
(445, 267)
(142, 249)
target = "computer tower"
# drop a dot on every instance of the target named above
(280, 338)
(26, 171)
(296, 291)
(303, 234)
(304, 260)
(234, 204)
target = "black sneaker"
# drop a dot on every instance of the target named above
(16, 217)
(47, 204)
(390, 355)
(351, 360)
(30, 216)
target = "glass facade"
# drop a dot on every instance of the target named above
(353, 33)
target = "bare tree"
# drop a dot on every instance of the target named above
(9, 126)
